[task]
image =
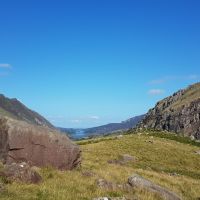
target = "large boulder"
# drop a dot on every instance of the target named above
(36, 145)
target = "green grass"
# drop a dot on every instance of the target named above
(175, 137)
(155, 161)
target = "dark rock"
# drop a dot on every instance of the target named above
(36, 145)
(20, 172)
(149, 141)
(137, 181)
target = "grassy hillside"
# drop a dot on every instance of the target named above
(191, 94)
(172, 164)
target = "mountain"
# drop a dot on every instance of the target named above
(178, 113)
(102, 130)
(112, 127)
(13, 108)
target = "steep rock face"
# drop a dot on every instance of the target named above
(36, 145)
(178, 113)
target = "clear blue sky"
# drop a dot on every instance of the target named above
(87, 63)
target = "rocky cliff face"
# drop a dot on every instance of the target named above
(178, 113)
(36, 145)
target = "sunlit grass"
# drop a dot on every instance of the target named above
(155, 161)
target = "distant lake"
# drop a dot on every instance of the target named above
(78, 134)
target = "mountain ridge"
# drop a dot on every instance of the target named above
(13, 108)
(104, 129)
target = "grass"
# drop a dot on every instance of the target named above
(192, 93)
(175, 137)
(155, 161)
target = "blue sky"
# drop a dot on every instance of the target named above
(87, 63)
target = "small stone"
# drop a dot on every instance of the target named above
(119, 137)
(125, 158)
(197, 152)
(192, 137)
(174, 174)
(2, 188)
(128, 158)
(110, 198)
(104, 184)
(88, 173)
(149, 141)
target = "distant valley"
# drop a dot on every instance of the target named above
(102, 130)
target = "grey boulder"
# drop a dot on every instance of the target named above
(137, 181)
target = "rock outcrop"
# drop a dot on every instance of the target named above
(36, 145)
(137, 181)
(178, 113)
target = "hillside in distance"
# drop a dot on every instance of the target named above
(112, 127)
(103, 130)
(178, 113)
(14, 109)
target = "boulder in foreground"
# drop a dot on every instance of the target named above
(36, 145)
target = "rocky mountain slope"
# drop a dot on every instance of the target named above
(15, 109)
(178, 113)
(102, 130)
